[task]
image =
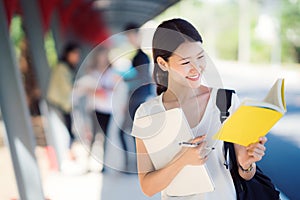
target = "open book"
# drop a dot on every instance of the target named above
(162, 134)
(253, 118)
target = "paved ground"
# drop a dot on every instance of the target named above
(75, 183)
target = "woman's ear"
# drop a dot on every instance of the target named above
(162, 63)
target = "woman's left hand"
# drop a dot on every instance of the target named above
(250, 154)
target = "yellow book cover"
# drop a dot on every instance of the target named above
(253, 118)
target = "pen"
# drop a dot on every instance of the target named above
(191, 144)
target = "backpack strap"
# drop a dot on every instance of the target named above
(223, 102)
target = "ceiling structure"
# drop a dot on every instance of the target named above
(117, 13)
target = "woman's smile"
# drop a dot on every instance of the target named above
(193, 77)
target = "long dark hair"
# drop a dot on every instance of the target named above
(69, 47)
(167, 37)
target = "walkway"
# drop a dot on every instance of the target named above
(283, 148)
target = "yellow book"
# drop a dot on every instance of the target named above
(254, 119)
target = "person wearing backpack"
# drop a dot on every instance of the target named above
(180, 62)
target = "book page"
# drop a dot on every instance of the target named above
(276, 96)
(261, 104)
(282, 95)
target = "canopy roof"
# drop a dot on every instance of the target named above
(117, 13)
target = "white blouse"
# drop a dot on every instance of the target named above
(209, 124)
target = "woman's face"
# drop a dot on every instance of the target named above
(187, 63)
(74, 57)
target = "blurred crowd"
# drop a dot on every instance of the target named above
(92, 99)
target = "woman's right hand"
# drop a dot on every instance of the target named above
(192, 155)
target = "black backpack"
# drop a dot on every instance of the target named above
(260, 186)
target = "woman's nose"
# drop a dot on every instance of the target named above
(198, 66)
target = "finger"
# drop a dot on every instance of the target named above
(256, 145)
(263, 140)
(261, 147)
(258, 154)
(254, 158)
(251, 146)
(202, 145)
(199, 139)
(255, 149)
(203, 159)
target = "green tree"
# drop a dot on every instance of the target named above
(290, 30)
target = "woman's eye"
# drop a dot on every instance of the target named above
(200, 57)
(185, 63)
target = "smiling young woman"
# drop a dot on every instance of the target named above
(180, 62)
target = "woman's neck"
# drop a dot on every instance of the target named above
(182, 94)
(172, 95)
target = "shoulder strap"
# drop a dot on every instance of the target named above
(223, 102)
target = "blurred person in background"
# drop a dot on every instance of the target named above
(101, 98)
(100, 85)
(139, 84)
(60, 88)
